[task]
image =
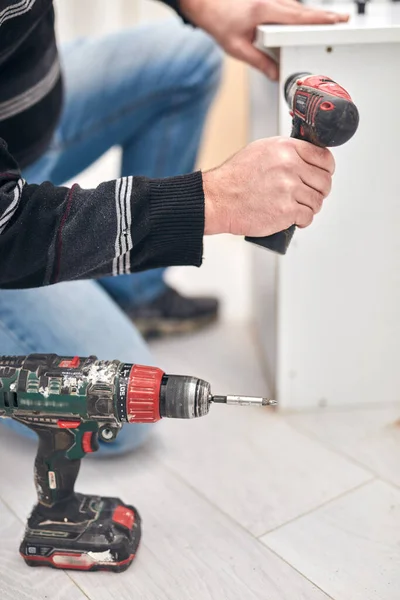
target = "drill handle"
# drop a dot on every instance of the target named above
(279, 242)
(55, 473)
(61, 448)
(328, 118)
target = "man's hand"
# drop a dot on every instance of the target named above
(267, 187)
(233, 24)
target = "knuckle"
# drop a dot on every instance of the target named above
(280, 141)
(285, 209)
(287, 185)
(234, 46)
(257, 8)
(287, 143)
(281, 208)
(287, 159)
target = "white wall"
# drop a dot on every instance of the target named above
(226, 268)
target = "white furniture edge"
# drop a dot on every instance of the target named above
(381, 24)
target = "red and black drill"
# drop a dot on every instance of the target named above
(324, 115)
(71, 402)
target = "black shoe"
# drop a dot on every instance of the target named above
(172, 313)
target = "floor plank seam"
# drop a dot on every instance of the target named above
(236, 523)
(12, 511)
(23, 523)
(328, 596)
(328, 446)
(322, 505)
(254, 536)
(388, 482)
(76, 584)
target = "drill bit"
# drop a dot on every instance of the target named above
(243, 400)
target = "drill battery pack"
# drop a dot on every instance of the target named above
(87, 533)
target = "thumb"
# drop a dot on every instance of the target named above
(255, 58)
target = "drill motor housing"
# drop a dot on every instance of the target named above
(323, 112)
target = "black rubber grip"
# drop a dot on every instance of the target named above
(277, 242)
(55, 474)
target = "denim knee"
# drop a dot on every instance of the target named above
(213, 61)
(203, 59)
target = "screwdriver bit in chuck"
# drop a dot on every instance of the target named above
(244, 400)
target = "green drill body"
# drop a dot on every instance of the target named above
(66, 401)
(70, 402)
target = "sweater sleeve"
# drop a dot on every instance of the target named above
(175, 4)
(50, 234)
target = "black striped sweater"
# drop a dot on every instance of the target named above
(50, 234)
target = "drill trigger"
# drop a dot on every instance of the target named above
(68, 424)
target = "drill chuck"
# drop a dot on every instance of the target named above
(151, 395)
(290, 86)
(184, 397)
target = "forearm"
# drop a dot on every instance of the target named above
(50, 234)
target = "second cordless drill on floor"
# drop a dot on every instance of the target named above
(70, 402)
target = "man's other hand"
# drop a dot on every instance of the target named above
(267, 187)
(233, 24)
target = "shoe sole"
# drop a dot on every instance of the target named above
(153, 328)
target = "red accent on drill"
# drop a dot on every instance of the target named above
(143, 396)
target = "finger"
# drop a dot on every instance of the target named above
(337, 17)
(316, 156)
(290, 14)
(310, 198)
(344, 18)
(248, 53)
(316, 179)
(304, 216)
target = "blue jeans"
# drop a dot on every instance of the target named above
(147, 90)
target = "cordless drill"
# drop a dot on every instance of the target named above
(324, 115)
(71, 402)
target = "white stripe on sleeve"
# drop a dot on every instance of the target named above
(11, 209)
